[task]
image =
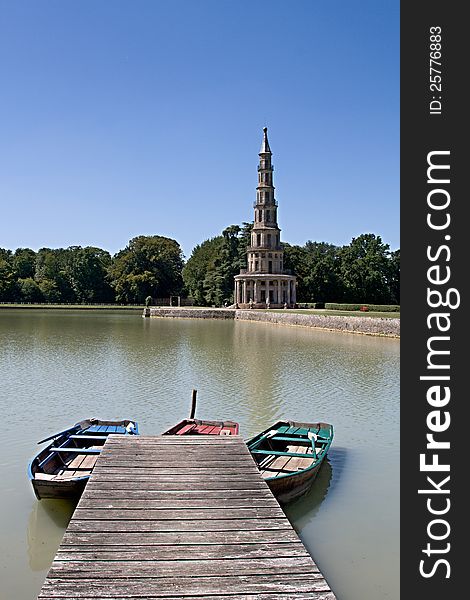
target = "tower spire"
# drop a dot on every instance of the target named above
(265, 149)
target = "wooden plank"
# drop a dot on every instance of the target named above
(187, 514)
(228, 485)
(99, 569)
(180, 586)
(175, 475)
(174, 539)
(234, 596)
(123, 526)
(176, 502)
(180, 518)
(84, 552)
(93, 491)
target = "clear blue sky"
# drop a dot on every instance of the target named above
(145, 117)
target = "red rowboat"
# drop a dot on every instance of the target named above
(198, 427)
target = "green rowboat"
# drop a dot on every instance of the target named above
(289, 455)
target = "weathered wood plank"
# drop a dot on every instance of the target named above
(168, 475)
(178, 469)
(179, 552)
(172, 538)
(172, 495)
(122, 526)
(176, 502)
(180, 586)
(188, 514)
(233, 596)
(180, 485)
(99, 569)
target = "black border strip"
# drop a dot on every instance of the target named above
(422, 133)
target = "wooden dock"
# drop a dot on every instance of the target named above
(183, 518)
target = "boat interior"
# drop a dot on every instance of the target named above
(198, 427)
(74, 453)
(288, 449)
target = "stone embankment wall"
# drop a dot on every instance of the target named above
(193, 313)
(364, 325)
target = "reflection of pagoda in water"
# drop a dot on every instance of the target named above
(264, 282)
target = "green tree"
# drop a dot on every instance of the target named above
(296, 262)
(364, 269)
(86, 270)
(52, 266)
(394, 277)
(202, 262)
(29, 290)
(49, 291)
(208, 274)
(147, 263)
(24, 263)
(322, 281)
(8, 286)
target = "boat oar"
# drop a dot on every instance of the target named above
(54, 435)
(193, 405)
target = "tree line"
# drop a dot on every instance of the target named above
(91, 275)
(364, 271)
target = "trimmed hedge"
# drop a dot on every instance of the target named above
(371, 307)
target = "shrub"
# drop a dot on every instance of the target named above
(363, 307)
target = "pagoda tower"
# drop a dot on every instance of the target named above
(265, 283)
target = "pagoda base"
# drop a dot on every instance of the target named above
(263, 305)
(263, 290)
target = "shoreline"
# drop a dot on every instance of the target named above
(375, 326)
(70, 307)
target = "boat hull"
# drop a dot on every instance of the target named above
(289, 488)
(65, 490)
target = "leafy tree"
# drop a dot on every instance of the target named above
(199, 265)
(86, 270)
(394, 277)
(29, 290)
(49, 290)
(146, 263)
(322, 280)
(52, 265)
(24, 263)
(364, 269)
(209, 272)
(8, 285)
(295, 262)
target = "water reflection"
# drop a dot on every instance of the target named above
(309, 504)
(47, 522)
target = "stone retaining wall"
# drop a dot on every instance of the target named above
(364, 325)
(193, 313)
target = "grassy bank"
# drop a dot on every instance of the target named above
(345, 313)
(73, 306)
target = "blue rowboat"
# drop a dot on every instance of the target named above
(289, 456)
(63, 467)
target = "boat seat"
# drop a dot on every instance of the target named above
(278, 453)
(76, 450)
(186, 429)
(289, 439)
(81, 436)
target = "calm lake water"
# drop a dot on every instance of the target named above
(57, 367)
